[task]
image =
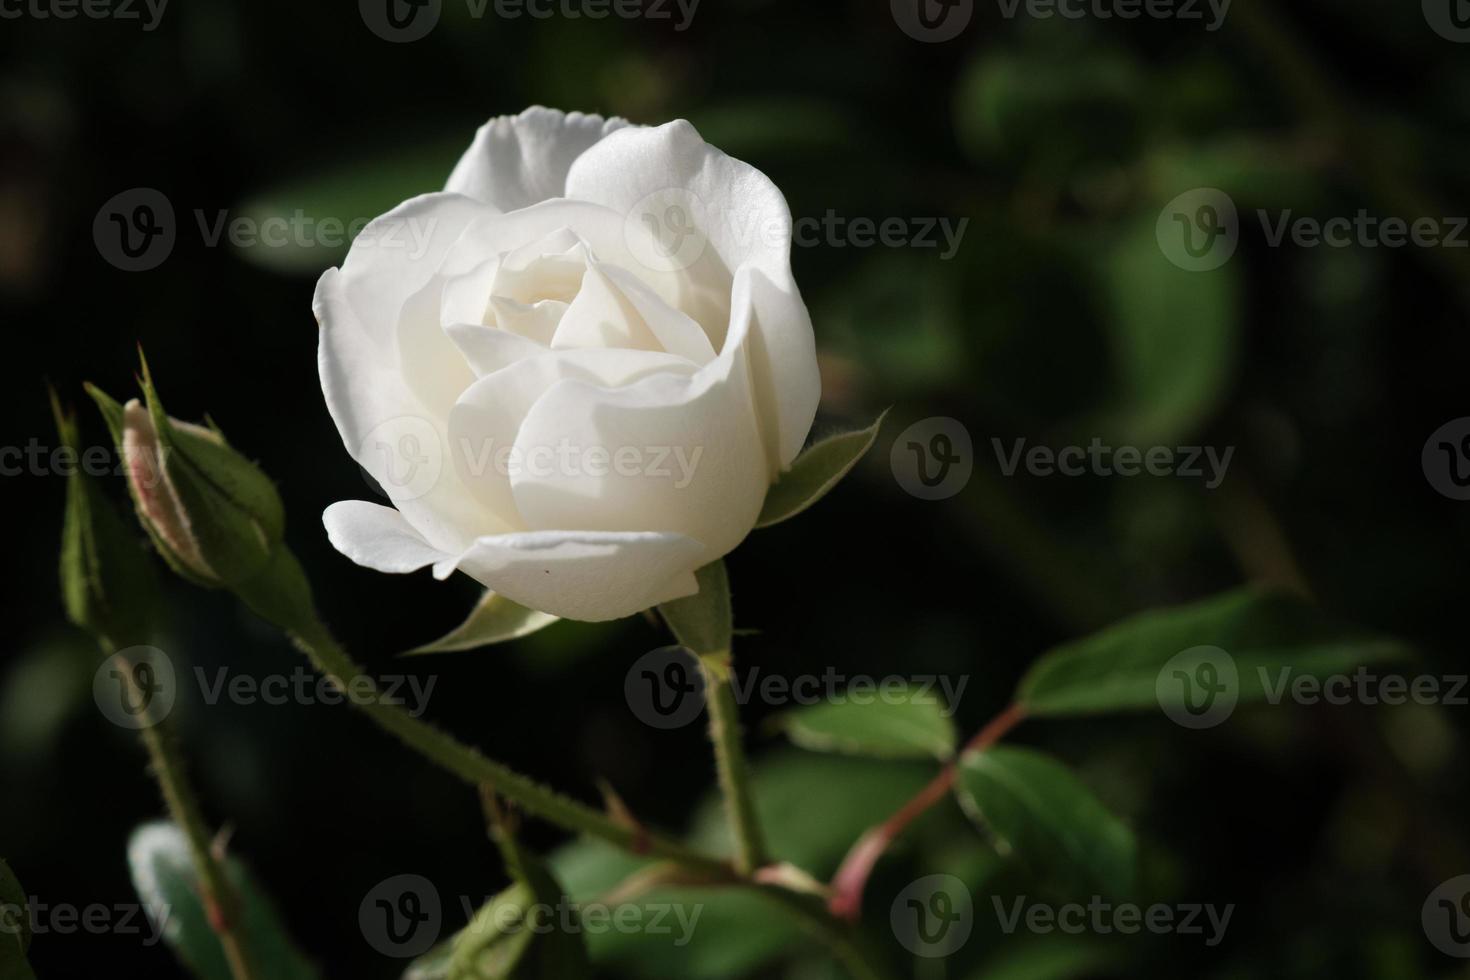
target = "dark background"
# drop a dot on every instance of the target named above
(1058, 320)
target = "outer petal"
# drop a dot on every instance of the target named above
(583, 575)
(749, 225)
(575, 575)
(516, 161)
(358, 308)
(378, 537)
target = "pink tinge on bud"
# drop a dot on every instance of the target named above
(155, 496)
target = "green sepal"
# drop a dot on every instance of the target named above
(703, 622)
(108, 585)
(813, 473)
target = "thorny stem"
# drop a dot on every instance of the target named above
(734, 771)
(852, 877)
(221, 903)
(478, 770)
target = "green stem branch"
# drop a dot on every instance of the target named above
(734, 771)
(478, 770)
(221, 904)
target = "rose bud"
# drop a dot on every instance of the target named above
(213, 515)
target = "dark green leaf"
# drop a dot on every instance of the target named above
(1035, 809)
(910, 724)
(1174, 336)
(814, 472)
(1118, 669)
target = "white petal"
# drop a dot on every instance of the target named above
(583, 575)
(536, 322)
(748, 225)
(488, 349)
(378, 537)
(466, 297)
(677, 333)
(601, 316)
(676, 453)
(397, 253)
(516, 161)
(484, 423)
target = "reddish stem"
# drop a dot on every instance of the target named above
(850, 880)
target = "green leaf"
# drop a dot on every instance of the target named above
(1118, 669)
(495, 619)
(1035, 809)
(164, 876)
(15, 927)
(305, 224)
(816, 471)
(850, 793)
(517, 935)
(894, 725)
(702, 623)
(1173, 333)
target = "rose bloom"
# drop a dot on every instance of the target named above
(612, 302)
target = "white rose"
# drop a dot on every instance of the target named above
(576, 371)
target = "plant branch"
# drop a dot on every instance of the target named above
(734, 771)
(476, 769)
(852, 877)
(221, 903)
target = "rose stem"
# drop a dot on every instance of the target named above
(221, 904)
(474, 768)
(734, 771)
(852, 876)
